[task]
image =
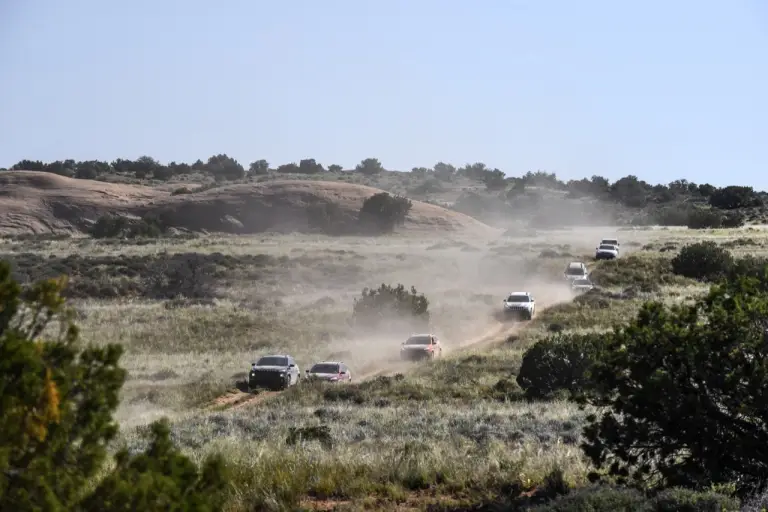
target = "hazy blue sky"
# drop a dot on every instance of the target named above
(660, 89)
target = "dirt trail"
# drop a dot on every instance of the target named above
(499, 331)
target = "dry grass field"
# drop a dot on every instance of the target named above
(401, 436)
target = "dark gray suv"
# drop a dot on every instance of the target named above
(274, 372)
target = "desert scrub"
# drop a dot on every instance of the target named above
(644, 271)
(375, 450)
(573, 315)
(157, 276)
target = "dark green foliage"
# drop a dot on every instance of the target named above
(634, 270)
(160, 276)
(118, 226)
(56, 400)
(686, 500)
(558, 363)
(750, 266)
(327, 218)
(712, 219)
(259, 167)
(598, 499)
(391, 304)
(602, 498)
(382, 212)
(56, 404)
(319, 433)
(733, 197)
(685, 392)
(703, 260)
(369, 166)
(162, 479)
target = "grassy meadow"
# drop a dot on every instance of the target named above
(452, 432)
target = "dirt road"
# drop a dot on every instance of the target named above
(498, 331)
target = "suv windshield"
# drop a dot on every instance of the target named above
(272, 361)
(610, 241)
(325, 368)
(418, 340)
(518, 298)
(607, 248)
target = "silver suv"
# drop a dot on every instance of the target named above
(576, 270)
(520, 305)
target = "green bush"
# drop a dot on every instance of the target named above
(391, 305)
(603, 498)
(647, 273)
(326, 217)
(681, 390)
(598, 499)
(712, 219)
(162, 479)
(703, 260)
(382, 212)
(57, 399)
(118, 226)
(686, 500)
(558, 363)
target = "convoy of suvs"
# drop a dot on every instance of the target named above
(282, 371)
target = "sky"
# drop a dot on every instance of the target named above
(662, 90)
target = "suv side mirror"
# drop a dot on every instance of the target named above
(342, 373)
(292, 365)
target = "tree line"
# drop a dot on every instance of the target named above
(629, 191)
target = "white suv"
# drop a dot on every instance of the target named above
(576, 270)
(520, 304)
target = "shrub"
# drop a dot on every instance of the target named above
(685, 500)
(161, 479)
(57, 400)
(711, 219)
(734, 197)
(703, 260)
(597, 498)
(117, 226)
(326, 217)
(755, 267)
(391, 304)
(609, 498)
(682, 396)
(382, 212)
(558, 363)
(647, 273)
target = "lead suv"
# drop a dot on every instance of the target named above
(274, 372)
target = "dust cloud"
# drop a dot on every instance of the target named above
(465, 280)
